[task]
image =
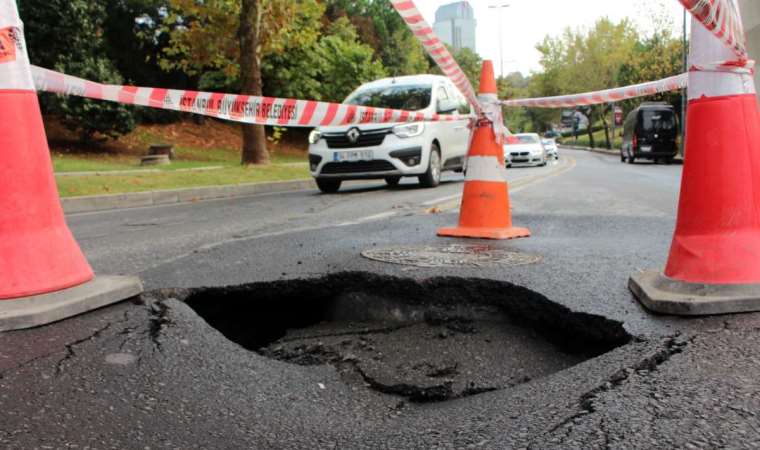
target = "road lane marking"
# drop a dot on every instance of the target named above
(452, 202)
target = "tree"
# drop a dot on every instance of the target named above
(254, 136)
(381, 27)
(83, 54)
(201, 43)
(587, 61)
(134, 42)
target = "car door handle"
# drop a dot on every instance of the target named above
(460, 128)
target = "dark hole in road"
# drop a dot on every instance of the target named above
(429, 340)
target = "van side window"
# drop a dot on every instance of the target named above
(464, 107)
(444, 94)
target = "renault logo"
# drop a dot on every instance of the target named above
(353, 135)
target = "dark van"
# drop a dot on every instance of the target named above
(650, 132)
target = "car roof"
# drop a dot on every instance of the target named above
(527, 134)
(405, 81)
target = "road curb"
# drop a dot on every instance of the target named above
(92, 203)
(602, 151)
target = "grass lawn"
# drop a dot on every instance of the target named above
(599, 140)
(211, 144)
(73, 162)
(113, 184)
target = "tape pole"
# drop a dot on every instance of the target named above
(723, 19)
(282, 112)
(606, 96)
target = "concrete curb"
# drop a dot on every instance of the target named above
(103, 173)
(94, 203)
(603, 151)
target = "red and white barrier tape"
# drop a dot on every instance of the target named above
(436, 49)
(283, 112)
(723, 19)
(607, 96)
(745, 67)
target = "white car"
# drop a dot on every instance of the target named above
(551, 148)
(524, 149)
(393, 151)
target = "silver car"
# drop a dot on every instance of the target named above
(551, 148)
(524, 150)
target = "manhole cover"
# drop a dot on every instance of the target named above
(450, 255)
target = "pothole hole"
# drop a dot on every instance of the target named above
(428, 341)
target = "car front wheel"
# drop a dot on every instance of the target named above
(328, 186)
(432, 177)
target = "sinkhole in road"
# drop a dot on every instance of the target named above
(427, 341)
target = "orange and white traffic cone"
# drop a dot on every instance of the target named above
(714, 263)
(485, 211)
(38, 254)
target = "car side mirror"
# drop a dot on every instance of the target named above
(447, 106)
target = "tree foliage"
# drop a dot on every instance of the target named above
(83, 54)
(605, 56)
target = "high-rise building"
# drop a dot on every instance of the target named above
(455, 25)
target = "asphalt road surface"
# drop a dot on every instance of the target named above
(553, 353)
(132, 241)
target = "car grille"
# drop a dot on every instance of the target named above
(520, 153)
(357, 167)
(368, 138)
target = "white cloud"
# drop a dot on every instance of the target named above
(526, 22)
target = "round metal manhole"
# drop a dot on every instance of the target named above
(454, 255)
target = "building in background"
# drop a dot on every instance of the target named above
(751, 15)
(455, 25)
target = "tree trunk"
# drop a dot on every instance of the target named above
(254, 136)
(591, 127)
(606, 128)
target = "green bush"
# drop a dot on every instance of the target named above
(67, 36)
(87, 117)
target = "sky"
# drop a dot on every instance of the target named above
(526, 22)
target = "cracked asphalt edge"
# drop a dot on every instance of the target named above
(669, 347)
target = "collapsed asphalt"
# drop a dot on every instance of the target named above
(156, 374)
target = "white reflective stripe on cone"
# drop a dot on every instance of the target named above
(14, 61)
(707, 50)
(485, 168)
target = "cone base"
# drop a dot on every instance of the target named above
(665, 295)
(43, 309)
(485, 233)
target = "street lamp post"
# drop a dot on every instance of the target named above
(501, 43)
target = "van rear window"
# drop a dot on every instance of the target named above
(658, 120)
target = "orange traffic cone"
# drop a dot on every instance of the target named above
(485, 210)
(714, 262)
(38, 254)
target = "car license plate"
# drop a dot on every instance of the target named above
(359, 155)
(646, 148)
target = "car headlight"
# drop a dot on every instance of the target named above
(315, 136)
(409, 130)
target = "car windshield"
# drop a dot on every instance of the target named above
(407, 97)
(524, 139)
(658, 121)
